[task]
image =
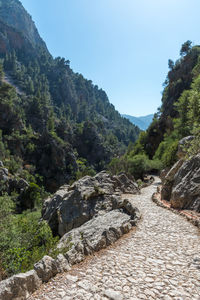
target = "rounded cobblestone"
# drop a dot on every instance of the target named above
(158, 260)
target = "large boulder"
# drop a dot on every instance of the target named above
(186, 187)
(46, 268)
(98, 233)
(74, 205)
(19, 286)
(169, 180)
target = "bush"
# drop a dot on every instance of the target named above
(169, 157)
(83, 169)
(30, 198)
(166, 151)
(138, 165)
(24, 238)
(117, 165)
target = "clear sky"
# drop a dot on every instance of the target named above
(123, 46)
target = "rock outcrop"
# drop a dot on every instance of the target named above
(180, 185)
(10, 183)
(168, 180)
(19, 286)
(97, 233)
(186, 188)
(74, 205)
(97, 216)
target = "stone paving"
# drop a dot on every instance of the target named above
(158, 260)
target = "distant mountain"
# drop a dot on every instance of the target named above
(142, 122)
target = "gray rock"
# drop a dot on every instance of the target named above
(113, 295)
(186, 187)
(19, 286)
(72, 206)
(1, 164)
(163, 174)
(5, 171)
(169, 180)
(46, 268)
(62, 264)
(96, 234)
(18, 185)
(3, 174)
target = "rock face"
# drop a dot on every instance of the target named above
(20, 286)
(74, 205)
(100, 216)
(9, 183)
(19, 26)
(186, 187)
(46, 268)
(98, 233)
(168, 180)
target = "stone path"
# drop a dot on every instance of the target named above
(158, 260)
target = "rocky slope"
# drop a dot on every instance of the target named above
(181, 182)
(95, 220)
(160, 260)
(71, 119)
(72, 206)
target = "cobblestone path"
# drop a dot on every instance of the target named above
(158, 260)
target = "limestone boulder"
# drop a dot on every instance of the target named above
(98, 233)
(19, 287)
(62, 264)
(186, 186)
(46, 268)
(169, 180)
(74, 205)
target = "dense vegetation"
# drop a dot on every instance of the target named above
(62, 123)
(178, 117)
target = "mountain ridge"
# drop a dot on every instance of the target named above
(142, 122)
(68, 111)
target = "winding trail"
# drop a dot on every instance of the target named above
(158, 260)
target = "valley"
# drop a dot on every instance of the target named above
(77, 177)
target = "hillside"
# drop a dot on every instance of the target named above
(177, 118)
(142, 122)
(74, 124)
(55, 127)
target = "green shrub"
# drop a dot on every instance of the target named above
(24, 238)
(31, 197)
(83, 169)
(117, 165)
(169, 157)
(138, 165)
(167, 150)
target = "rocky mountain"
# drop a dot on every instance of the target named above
(142, 122)
(17, 28)
(180, 78)
(73, 128)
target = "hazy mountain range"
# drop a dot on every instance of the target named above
(142, 122)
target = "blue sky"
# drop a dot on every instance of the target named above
(123, 46)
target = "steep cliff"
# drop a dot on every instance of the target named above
(74, 128)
